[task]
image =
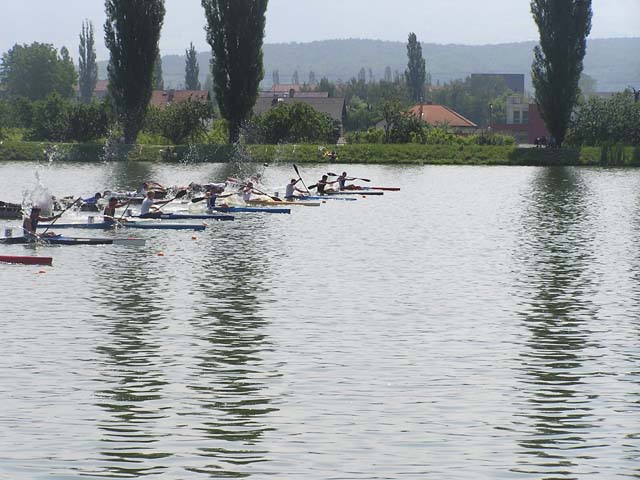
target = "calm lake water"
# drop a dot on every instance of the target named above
(484, 322)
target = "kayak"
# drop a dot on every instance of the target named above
(60, 240)
(360, 187)
(138, 225)
(252, 209)
(284, 202)
(191, 216)
(26, 260)
(325, 197)
(355, 192)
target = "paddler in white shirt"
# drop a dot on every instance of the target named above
(149, 204)
(290, 191)
(247, 191)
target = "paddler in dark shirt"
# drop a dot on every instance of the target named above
(342, 179)
(30, 224)
(109, 214)
(322, 184)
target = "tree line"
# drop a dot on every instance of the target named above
(235, 33)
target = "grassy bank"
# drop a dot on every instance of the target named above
(372, 154)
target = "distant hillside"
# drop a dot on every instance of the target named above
(614, 63)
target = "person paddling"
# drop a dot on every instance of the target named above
(342, 179)
(30, 224)
(213, 193)
(322, 184)
(150, 203)
(290, 191)
(109, 214)
(247, 191)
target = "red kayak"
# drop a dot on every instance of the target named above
(26, 260)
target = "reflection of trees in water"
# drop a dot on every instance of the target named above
(631, 442)
(556, 257)
(132, 370)
(129, 175)
(230, 379)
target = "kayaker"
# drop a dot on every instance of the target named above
(30, 224)
(109, 214)
(214, 192)
(342, 179)
(290, 192)
(150, 203)
(91, 204)
(247, 191)
(322, 184)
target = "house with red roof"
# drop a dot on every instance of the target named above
(440, 115)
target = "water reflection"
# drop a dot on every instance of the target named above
(230, 374)
(556, 254)
(132, 368)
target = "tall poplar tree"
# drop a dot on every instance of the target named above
(416, 73)
(158, 76)
(132, 31)
(87, 66)
(564, 26)
(235, 31)
(191, 69)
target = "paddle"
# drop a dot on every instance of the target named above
(59, 215)
(295, 167)
(126, 206)
(180, 194)
(354, 178)
(259, 192)
(201, 199)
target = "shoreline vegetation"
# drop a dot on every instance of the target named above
(391, 154)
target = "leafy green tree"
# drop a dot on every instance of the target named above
(235, 31)
(35, 71)
(416, 73)
(191, 70)
(181, 122)
(132, 32)
(295, 122)
(312, 78)
(89, 121)
(295, 78)
(51, 119)
(158, 76)
(87, 66)
(600, 121)
(564, 26)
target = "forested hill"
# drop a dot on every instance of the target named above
(614, 63)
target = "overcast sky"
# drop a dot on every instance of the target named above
(438, 21)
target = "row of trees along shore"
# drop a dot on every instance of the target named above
(38, 82)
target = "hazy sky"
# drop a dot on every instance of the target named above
(438, 21)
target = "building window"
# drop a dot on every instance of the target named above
(516, 117)
(525, 117)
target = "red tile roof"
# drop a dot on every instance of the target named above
(441, 115)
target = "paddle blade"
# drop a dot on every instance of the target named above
(329, 174)
(181, 193)
(295, 167)
(199, 199)
(365, 179)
